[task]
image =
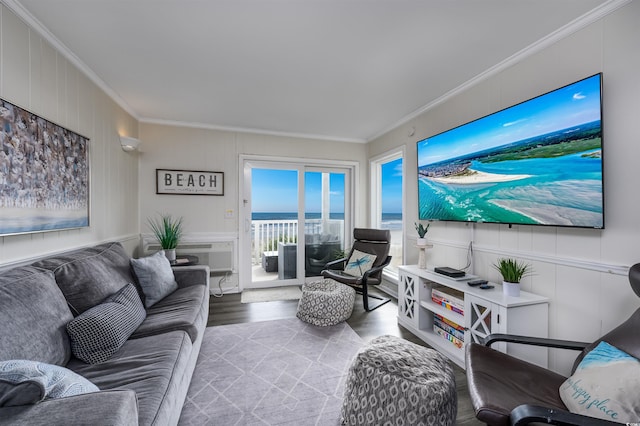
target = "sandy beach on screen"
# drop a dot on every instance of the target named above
(470, 177)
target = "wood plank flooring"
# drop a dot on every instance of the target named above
(229, 310)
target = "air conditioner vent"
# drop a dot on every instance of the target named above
(219, 255)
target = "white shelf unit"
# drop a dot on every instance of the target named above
(485, 312)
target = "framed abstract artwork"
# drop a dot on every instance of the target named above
(44, 174)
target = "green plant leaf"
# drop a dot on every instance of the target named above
(167, 230)
(512, 270)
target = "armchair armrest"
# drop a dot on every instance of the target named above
(334, 263)
(114, 407)
(525, 414)
(534, 341)
(376, 269)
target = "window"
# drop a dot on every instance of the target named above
(387, 202)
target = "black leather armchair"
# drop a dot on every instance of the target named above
(372, 241)
(508, 391)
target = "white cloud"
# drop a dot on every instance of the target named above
(578, 96)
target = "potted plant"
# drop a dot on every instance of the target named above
(422, 231)
(168, 232)
(512, 272)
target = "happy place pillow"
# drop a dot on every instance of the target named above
(28, 382)
(605, 385)
(359, 263)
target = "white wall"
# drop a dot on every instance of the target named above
(585, 302)
(184, 148)
(34, 76)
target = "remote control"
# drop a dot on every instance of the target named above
(474, 283)
(485, 286)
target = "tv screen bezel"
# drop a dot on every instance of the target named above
(600, 74)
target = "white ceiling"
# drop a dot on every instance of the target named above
(335, 69)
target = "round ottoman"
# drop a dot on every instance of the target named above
(392, 381)
(325, 302)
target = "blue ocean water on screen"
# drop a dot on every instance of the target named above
(391, 221)
(564, 190)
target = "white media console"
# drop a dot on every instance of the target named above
(477, 313)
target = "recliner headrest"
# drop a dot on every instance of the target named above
(373, 235)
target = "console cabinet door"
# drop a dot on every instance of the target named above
(484, 318)
(408, 298)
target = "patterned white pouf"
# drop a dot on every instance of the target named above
(325, 302)
(392, 381)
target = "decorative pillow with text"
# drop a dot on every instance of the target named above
(605, 385)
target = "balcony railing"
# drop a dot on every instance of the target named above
(268, 233)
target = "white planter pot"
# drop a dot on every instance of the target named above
(511, 289)
(421, 241)
(171, 254)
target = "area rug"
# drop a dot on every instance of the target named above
(281, 372)
(272, 294)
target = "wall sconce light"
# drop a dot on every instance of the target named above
(129, 144)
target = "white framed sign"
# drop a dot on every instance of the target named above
(189, 182)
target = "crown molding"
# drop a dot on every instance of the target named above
(248, 130)
(588, 18)
(16, 7)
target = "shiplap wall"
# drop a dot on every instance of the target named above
(36, 77)
(581, 271)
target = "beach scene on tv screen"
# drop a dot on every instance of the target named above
(538, 163)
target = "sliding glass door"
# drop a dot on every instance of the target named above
(295, 218)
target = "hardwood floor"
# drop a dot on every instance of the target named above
(229, 310)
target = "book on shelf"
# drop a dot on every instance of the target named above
(449, 326)
(449, 298)
(448, 336)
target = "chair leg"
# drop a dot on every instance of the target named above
(365, 300)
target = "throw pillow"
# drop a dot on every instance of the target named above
(359, 263)
(605, 385)
(28, 382)
(97, 333)
(155, 276)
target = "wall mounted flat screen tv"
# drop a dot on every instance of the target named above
(536, 163)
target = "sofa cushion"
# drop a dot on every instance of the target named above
(155, 276)
(99, 332)
(87, 276)
(152, 366)
(33, 314)
(184, 309)
(28, 382)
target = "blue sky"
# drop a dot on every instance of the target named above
(275, 191)
(571, 105)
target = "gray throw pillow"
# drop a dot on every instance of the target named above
(28, 382)
(97, 333)
(155, 276)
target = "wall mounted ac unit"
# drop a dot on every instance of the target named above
(219, 255)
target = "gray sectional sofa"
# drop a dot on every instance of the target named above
(143, 382)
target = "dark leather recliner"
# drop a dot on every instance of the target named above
(508, 391)
(372, 241)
